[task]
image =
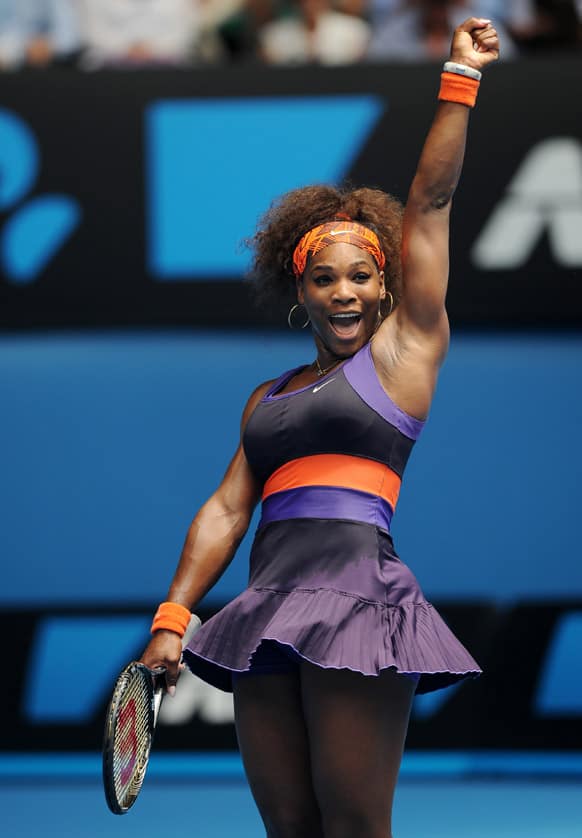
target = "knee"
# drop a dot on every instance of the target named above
(290, 823)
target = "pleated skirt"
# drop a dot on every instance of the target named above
(333, 593)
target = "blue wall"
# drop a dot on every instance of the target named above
(111, 441)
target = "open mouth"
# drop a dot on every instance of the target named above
(345, 324)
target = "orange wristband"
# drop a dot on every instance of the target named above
(456, 88)
(172, 617)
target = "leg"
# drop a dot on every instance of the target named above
(357, 726)
(273, 743)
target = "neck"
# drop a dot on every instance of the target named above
(326, 359)
(323, 367)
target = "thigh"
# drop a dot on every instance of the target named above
(357, 727)
(273, 743)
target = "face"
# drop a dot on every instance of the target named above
(341, 289)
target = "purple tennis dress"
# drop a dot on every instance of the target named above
(325, 584)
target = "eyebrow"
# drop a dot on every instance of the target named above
(331, 267)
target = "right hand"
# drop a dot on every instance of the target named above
(165, 650)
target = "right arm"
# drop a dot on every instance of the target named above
(210, 544)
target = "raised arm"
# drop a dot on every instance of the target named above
(210, 544)
(425, 257)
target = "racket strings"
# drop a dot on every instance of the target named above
(132, 737)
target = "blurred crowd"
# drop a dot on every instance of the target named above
(93, 34)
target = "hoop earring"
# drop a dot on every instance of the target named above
(292, 310)
(389, 293)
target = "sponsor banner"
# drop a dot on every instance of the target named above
(125, 200)
(530, 697)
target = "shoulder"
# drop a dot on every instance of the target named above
(407, 360)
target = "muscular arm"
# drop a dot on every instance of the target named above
(425, 233)
(215, 533)
(410, 346)
(211, 542)
(425, 230)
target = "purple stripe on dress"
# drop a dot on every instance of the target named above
(283, 379)
(327, 502)
(362, 377)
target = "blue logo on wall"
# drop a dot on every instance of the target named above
(214, 165)
(37, 228)
(73, 697)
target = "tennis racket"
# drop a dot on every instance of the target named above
(129, 729)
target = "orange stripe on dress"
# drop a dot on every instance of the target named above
(339, 470)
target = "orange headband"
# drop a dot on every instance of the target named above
(331, 233)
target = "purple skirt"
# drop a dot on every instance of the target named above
(336, 594)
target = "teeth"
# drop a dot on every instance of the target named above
(345, 316)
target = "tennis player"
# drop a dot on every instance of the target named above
(327, 646)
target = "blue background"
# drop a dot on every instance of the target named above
(190, 234)
(112, 440)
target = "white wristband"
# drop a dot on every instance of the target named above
(462, 70)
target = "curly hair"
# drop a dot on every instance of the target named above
(296, 212)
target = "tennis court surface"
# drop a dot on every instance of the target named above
(209, 799)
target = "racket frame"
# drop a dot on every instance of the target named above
(153, 681)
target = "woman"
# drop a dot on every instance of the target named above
(327, 646)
